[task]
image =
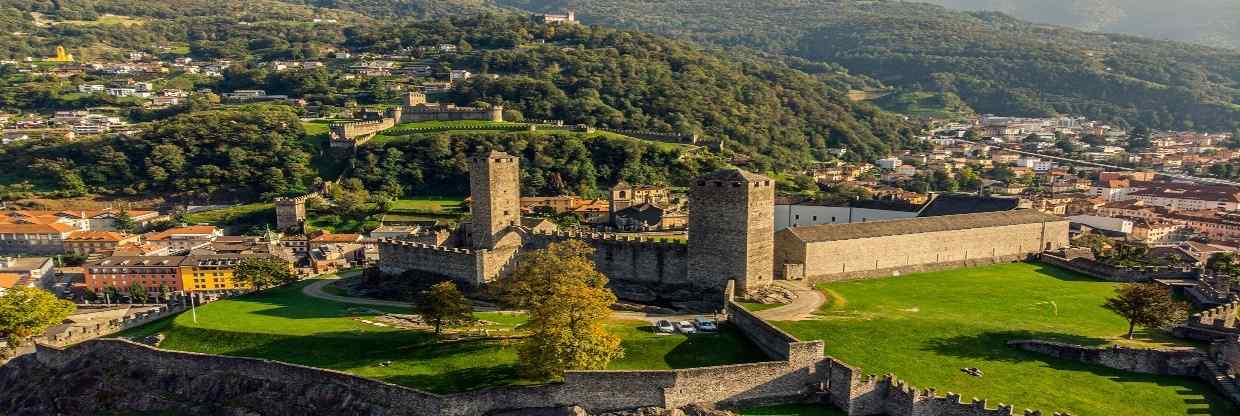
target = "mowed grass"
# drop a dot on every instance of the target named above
(434, 205)
(925, 327)
(284, 325)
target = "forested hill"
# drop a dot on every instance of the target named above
(1206, 22)
(996, 63)
(620, 79)
(93, 28)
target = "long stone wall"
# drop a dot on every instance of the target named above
(460, 265)
(118, 375)
(1211, 324)
(882, 256)
(639, 268)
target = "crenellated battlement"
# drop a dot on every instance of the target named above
(411, 245)
(1221, 317)
(614, 238)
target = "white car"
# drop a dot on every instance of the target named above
(664, 326)
(705, 325)
(685, 327)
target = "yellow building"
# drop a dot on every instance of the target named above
(213, 273)
(61, 55)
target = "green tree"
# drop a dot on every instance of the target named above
(1224, 264)
(568, 301)
(1148, 305)
(138, 293)
(125, 222)
(441, 304)
(263, 272)
(26, 312)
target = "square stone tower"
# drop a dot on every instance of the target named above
(291, 214)
(732, 230)
(495, 186)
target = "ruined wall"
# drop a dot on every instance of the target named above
(1171, 361)
(640, 269)
(879, 256)
(461, 265)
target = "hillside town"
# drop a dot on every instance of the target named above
(520, 214)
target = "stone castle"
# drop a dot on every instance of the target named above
(736, 209)
(291, 214)
(414, 108)
(731, 238)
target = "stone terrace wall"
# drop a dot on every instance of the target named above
(461, 265)
(1172, 361)
(1115, 274)
(81, 332)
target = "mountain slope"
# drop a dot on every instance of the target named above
(1206, 22)
(997, 64)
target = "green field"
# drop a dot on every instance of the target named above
(924, 328)
(430, 205)
(282, 324)
(237, 218)
(758, 307)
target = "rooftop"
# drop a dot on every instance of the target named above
(54, 228)
(841, 232)
(1194, 192)
(966, 204)
(733, 174)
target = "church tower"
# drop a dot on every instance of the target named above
(732, 230)
(495, 186)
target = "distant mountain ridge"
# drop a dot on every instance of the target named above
(995, 63)
(1205, 22)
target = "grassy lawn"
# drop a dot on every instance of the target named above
(237, 218)
(282, 324)
(926, 327)
(338, 224)
(432, 205)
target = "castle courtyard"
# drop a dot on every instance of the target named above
(925, 328)
(283, 324)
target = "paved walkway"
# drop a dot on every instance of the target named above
(802, 308)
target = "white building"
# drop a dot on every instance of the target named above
(889, 163)
(1118, 225)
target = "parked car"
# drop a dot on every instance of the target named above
(705, 325)
(664, 326)
(685, 327)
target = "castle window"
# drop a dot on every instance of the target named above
(815, 218)
(832, 219)
(622, 194)
(798, 216)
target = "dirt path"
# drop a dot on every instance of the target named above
(802, 308)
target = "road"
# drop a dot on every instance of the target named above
(802, 308)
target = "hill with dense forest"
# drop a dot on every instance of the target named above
(996, 63)
(1206, 22)
(768, 114)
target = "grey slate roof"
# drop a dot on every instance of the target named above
(841, 232)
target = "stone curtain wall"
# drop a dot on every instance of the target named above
(248, 385)
(1211, 324)
(1171, 361)
(80, 332)
(639, 269)
(1110, 273)
(884, 256)
(461, 265)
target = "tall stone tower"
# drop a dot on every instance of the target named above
(291, 214)
(495, 186)
(732, 230)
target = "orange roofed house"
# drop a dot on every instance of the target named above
(43, 239)
(90, 242)
(185, 238)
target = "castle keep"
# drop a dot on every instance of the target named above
(731, 221)
(414, 108)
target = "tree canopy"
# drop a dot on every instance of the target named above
(27, 312)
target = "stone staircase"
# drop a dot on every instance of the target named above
(1223, 382)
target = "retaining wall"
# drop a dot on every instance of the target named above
(1115, 274)
(1170, 361)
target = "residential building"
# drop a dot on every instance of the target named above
(30, 271)
(90, 242)
(185, 238)
(1189, 197)
(122, 272)
(45, 239)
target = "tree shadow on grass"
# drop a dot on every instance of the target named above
(1062, 273)
(728, 346)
